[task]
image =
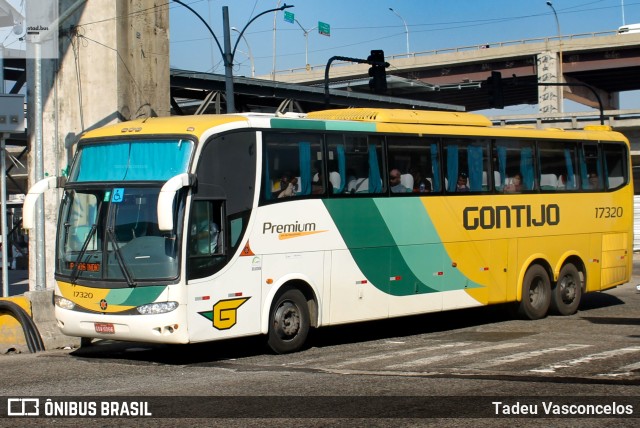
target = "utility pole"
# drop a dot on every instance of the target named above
(227, 53)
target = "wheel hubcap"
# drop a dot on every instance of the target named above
(567, 289)
(287, 320)
(535, 293)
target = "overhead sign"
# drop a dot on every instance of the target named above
(324, 28)
(289, 17)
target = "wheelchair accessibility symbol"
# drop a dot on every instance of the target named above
(118, 195)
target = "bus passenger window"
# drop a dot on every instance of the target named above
(513, 157)
(615, 165)
(204, 232)
(466, 161)
(290, 164)
(206, 244)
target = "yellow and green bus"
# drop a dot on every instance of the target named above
(198, 228)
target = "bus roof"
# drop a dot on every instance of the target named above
(422, 117)
(191, 125)
(381, 120)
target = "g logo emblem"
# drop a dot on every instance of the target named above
(225, 313)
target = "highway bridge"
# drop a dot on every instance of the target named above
(605, 61)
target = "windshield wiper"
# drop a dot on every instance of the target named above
(76, 267)
(120, 260)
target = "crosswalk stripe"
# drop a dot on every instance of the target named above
(627, 370)
(526, 355)
(398, 354)
(462, 352)
(551, 368)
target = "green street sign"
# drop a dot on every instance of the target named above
(289, 17)
(324, 28)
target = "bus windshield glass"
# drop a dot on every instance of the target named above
(112, 235)
(140, 160)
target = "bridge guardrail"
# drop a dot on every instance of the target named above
(610, 116)
(462, 49)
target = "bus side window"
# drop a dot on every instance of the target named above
(511, 158)
(465, 161)
(205, 238)
(292, 166)
(615, 165)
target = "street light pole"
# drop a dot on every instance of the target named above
(306, 42)
(227, 53)
(406, 28)
(253, 68)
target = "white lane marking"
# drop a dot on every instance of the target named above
(463, 352)
(551, 368)
(525, 355)
(399, 354)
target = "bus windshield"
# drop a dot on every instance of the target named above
(140, 160)
(112, 234)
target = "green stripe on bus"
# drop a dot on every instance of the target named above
(318, 125)
(335, 125)
(321, 125)
(135, 296)
(395, 245)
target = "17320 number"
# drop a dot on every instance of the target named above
(608, 212)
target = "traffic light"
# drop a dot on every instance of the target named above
(377, 72)
(494, 90)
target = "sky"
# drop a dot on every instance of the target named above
(359, 26)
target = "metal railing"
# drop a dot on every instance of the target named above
(572, 120)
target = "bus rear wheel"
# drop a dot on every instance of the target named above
(536, 293)
(288, 322)
(566, 295)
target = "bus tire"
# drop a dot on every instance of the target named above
(566, 295)
(288, 322)
(536, 294)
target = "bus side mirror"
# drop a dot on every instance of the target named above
(29, 206)
(166, 197)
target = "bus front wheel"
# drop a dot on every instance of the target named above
(536, 293)
(288, 322)
(566, 295)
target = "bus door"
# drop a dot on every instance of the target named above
(223, 294)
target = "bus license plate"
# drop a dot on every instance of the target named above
(105, 328)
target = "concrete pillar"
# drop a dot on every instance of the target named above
(113, 66)
(549, 97)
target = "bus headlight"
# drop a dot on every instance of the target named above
(63, 303)
(157, 308)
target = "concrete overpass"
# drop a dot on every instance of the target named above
(606, 61)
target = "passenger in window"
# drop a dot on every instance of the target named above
(594, 181)
(562, 182)
(422, 186)
(290, 189)
(394, 182)
(282, 184)
(317, 188)
(461, 185)
(515, 185)
(204, 236)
